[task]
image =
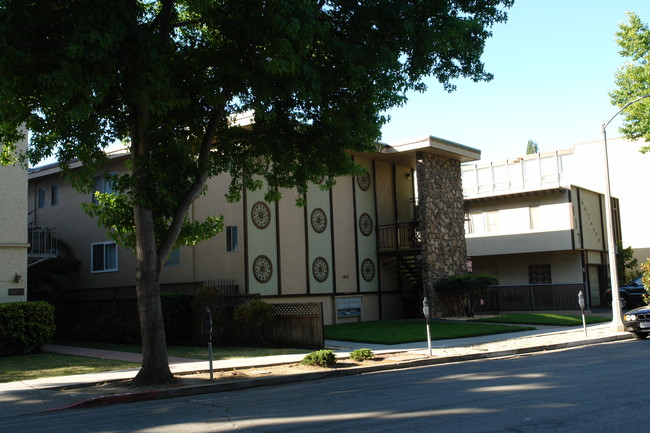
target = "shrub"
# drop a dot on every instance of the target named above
(456, 292)
(208, 297)
(177, 314)
(254, 316)
(361, 355)
(320, 358)
(25, 326)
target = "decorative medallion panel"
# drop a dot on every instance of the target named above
(261, 215)
(318, 220)
(320, 269)
(363, 181)
(262, 269)
(365, 224)
(368, 270)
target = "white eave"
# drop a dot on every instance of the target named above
(404, 152)
(54, 168)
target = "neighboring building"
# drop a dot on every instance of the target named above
(13, 235)
(354, 249)
(540, 218)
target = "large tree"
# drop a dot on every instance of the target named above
(169, 78)
(633, 78)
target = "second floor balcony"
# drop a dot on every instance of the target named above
(42, 244)
(398, 237)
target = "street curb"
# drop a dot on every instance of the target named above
(185, 391)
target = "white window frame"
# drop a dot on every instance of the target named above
(108, 247)
(232, 239)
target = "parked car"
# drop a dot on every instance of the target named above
(637, 322)
(631, 294)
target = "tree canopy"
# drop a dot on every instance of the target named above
(171, 78)
(531, 147)
(633, 78)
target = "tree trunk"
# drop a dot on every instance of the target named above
(155, 365)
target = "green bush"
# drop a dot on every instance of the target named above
(211, 298)
(114, 328)
(320, 358)
(456, 292)
(177, 314)
(254, 317)
(361, 355)
(25, 326)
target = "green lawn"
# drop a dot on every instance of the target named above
(195, 352)
(544, 319)
(409, 331)
(39, 365)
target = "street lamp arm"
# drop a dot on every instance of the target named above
(623, 108)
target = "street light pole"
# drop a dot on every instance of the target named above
(617, 324)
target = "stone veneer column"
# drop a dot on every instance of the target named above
(441, 213)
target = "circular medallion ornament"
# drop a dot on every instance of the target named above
(318, 220)
(365, 224)
(367, 270)
(262, 269)
(363, 181)
(320, 269)
(261, 215)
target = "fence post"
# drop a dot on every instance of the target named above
(532, 296)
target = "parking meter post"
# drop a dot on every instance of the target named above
(581, 302)
(425, 310)
(207, 327)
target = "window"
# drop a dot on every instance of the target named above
(492, 221)
(174, 258)
(54, 195)
(41, 197)
(102, 185)
(475, 224)
(232, 241)
(103, 257)
(539, 274)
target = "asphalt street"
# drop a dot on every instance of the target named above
(599, 388)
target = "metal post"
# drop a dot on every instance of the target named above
(617, 323)
(425, 310)
(581, 302)
(207, 327)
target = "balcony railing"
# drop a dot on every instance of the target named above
(42, 243)
(402, 236)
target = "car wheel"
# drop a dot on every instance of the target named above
(639, 335)
(623, 301)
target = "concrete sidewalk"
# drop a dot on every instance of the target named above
(30, 396)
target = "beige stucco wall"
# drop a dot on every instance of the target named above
(211, 260)
(13, 235)
(344, 230)
(512, 269)
(588, 213)
(514, 234)
(385, 186)
(293, 253)
(290, 241)
(75, 228)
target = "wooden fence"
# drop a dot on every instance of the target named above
(294, 325)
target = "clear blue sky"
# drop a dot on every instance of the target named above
(553, 63)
